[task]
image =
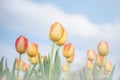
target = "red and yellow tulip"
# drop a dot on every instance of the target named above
(68, 50)
(103, 48)
(32, 49)
(18, 67)
(21, 44)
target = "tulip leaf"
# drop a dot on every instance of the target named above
(13, 71)
(95, 72)
(111, 74)
(1, 64)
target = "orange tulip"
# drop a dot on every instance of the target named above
(21, 44)
(56, 32)
(70, 59)
(103, 48)
(89, 64)
(68, 50)
(32, 50)
(91, 54)
(108, 67)
(33, 60)
(63, 39)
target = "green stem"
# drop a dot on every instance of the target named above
(51, 56)
(19, 66)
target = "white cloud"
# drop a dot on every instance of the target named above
(29, 17)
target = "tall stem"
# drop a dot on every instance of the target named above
(20, 55)
(51, 56)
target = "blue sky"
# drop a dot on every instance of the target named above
(87, 23)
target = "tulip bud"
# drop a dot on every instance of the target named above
(91, 54)
(68, 50)
(56, 32)
(25, 66)
(108, 67)
(89, 64)
(100, 60)
(21, 44)
(70, 59)
(63, 39)
(42, 59)
(65, 67)
(33, 60)
(32, 50)
(103, 48)
(17, 64)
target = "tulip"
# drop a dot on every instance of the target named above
(65, 67)
(108, 67)
(89, 65)
(91, 54)
(21, 44)
(18, 67)
(68, 50)
(32, 50)
(63, 39)
(42, 59)
(103, 48)
(100, 60)
(70, 59)
(56, 32)
(25, 66)
(33, 60)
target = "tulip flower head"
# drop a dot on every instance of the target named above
(89, 65)
(68, 50)
(70, 59)
(25, 66)
(63, 38)
(91, 54)
(17, 64)
(103, 48)
(32, 49)
(21, 44)
(65, 67)
(33, 60)
(56, 32)
(100, 60)
(108, 67)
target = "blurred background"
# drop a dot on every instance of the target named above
(87, 22)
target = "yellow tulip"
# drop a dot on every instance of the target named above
(89, 64)
(65, 67)
(103, 48)
(33, 60)
(108, 67)
(100, 60)
(70, 59)
(25, 66)
(17, 64)
(56, 32)
(68, 50)
(32, 50)
(91, 54)
(21, 44)
(63, 39)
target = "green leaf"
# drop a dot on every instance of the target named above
(1, 64)
(111, 74)
(95, 72)
(13, 72)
